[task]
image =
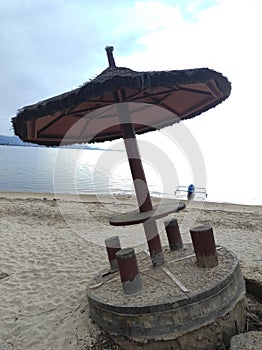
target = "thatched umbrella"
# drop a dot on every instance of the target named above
(115, 104)
(184, 93)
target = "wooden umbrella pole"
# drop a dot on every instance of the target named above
(140, 183)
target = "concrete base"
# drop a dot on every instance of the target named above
(207, 304)
(214, 336)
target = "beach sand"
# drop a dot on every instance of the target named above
(51, 247)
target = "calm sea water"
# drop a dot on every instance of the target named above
(63, 170)
(85, 171)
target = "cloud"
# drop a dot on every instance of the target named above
(226, 38)
(49, 47)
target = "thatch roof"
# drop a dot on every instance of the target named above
(185, 93)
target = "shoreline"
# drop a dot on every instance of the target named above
(88, 197)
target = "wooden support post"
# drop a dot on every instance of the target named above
(204, 246)
(112, 246)
(128, 269)
(140, 183)
(173, 234)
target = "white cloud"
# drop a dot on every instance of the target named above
(226, 38)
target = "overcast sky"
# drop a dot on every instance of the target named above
(49, 47)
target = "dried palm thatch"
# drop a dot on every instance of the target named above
(181, 94)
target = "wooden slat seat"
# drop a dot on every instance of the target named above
(137, 217)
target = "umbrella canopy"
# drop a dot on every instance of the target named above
(79, 115)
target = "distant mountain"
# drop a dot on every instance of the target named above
(16, 141)
(12, 141)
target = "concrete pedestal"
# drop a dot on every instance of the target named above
(173, 311)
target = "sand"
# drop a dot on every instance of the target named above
(51, 248)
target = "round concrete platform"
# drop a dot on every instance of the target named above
(177, 297)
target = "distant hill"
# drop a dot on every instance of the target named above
(13, 141)
(16, 141)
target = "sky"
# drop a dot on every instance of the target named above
(50, 47)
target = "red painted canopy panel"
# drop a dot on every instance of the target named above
(90, 113)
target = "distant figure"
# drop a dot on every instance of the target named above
(190, 192)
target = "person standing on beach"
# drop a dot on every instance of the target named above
(190, 192)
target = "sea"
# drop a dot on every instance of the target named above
(94, 171)
(67, 170)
